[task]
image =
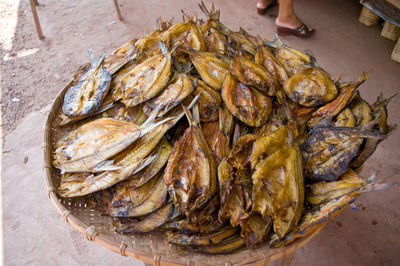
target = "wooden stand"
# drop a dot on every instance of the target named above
(34, 3)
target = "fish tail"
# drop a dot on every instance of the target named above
(277, 42)
(95, 62)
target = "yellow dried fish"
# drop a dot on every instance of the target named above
(278, 189)
(209, 101)
(344, 97)
(185, 34)
(202, 240)
(146, 80)
(292, 60)
(316, 218)
(215, 41)
(227, 246)
(310, 87)
(149, 223)
(241, 44)
(191, 170)
(235, 184)
(86, 147)
(171, 96)
(265, 58)
(252, 74)
(246, 103)
(217, 135)
(143, 200)
(322, 191)
(345, 119)
(211, 68)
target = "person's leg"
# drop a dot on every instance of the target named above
(263, 5)
(286, 16)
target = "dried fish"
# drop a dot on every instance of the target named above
(252, 74)
(86, 147)
(294, 61)
(145, 80)
(209, 101)
(310, 87)
(149, 223)
(171, 96)
(265, 58)
(87, 93)
(211, 68)
(191, 170)
(246, 103)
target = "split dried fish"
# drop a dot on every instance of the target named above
(209, 101)
(252, 74)
(149, 223)
(278, 189)
(180, 88)
(246, 103)
(88, 146)
(145, 80)
(211, 68)
(310, 87)
(87, 93)
(191, 170)
(294, 61)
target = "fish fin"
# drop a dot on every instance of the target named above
(158, 23)
(313, 60)
(131, 51)
(92, 57)
(277, 42)
(236, 134)
(145, 162)
(106, 166)
(95, 62)
(194, 101)
(163, 47)
(188, 115)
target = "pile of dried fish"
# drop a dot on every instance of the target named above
(268, 151)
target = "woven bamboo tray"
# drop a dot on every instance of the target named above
(151, 248)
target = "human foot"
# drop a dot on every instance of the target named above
(263, 5)
(292, 25)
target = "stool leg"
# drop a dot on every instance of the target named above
(36, 19)
(117, 8)
(287, 260)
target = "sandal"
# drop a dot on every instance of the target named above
(302, 31)
(262, 11)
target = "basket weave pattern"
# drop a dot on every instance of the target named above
(390, 31)
(396, 52)
(368, 17)
(152, 248)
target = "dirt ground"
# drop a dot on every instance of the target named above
(34, 71)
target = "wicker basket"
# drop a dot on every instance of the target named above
(151, 248)
(368, 17)
(396, 3)
(396, 52)
(390, 31)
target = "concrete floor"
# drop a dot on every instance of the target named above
(34, 233)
